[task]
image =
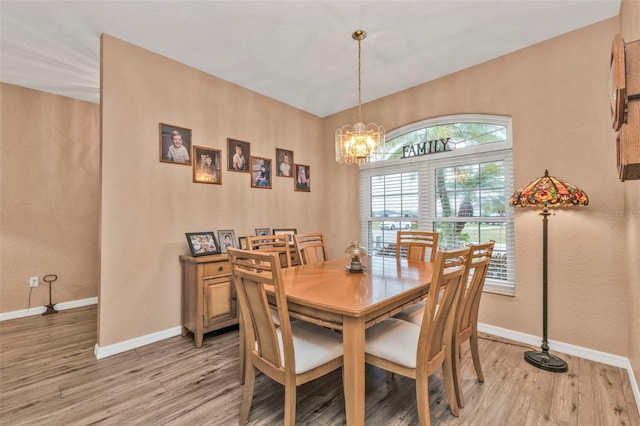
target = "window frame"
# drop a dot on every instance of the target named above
(496, 151)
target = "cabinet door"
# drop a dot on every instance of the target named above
(219, 301)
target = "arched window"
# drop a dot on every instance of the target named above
(452, 175)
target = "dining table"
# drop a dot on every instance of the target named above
(331, 295)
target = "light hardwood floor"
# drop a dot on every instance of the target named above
(49, 376)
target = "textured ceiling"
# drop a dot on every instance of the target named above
(299, 52)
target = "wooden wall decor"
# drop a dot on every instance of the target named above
(625, 106)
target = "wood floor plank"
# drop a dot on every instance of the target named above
(556, 394)
(602, 400)
(49, 375)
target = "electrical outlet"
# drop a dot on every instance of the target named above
(33, 282)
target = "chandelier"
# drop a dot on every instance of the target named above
(359, 142)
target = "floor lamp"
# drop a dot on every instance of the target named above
(545, 193)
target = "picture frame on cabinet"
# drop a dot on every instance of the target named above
(227, 238)
(239, 153)
(242, 243)
(289, 232)
(175, 144)
(284, 160)
(202, 243)
(262, 231)
(206, 165)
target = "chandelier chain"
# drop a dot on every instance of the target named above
(359, 82)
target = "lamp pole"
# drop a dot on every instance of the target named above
(544, 359)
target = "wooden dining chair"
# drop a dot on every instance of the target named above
(272, 244)
(414, 245)
(466, 323)
(291, 354)
(401, 347)
(310, 247)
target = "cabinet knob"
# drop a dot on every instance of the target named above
(220, 268)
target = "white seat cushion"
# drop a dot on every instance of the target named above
(413, 313)
(313, 345)
(394, 340)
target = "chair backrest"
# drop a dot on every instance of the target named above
(414, 245)
(480, 256)
(251, 272)
(436, 331)
(310, 247)
(272, 244)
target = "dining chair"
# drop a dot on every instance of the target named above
(414, 245)
(404, 348)
(466, 323)
(291, 354)
(310, 247)
(272, 244)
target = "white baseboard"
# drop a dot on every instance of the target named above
(127, 345)
(590, 354)
(41, 309)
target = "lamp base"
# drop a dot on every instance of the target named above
(546, 361)
(50, 310)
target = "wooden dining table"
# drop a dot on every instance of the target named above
(328, 294)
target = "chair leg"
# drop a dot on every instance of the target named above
(290, 403)
(475, 354)
(249, 384)
(456, 362)
(447, 372)
(422, 401)
(242, 356)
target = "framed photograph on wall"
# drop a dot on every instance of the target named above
(260, 172)
(175, 144)
(238, 153)
(302, 180)
(227, 239)
(202, 243)
(206, 165)
(289, 232)
(284, 160)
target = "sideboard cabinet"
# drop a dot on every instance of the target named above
(208, 295)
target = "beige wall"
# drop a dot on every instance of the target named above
(49, 190)
(630, 30)
(148, 206)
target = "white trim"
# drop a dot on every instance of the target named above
(41, 309)
(566, 348)
(116, 348)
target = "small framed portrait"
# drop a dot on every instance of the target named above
(284, 160)
(227, 239)
(175, 144)
(302, 178)
(239, 153)
(262, 231)
(202, 243)
(289, 232)
(260, 172)
(242, 243)
(206, 165)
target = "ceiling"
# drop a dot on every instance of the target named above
(298, 52)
